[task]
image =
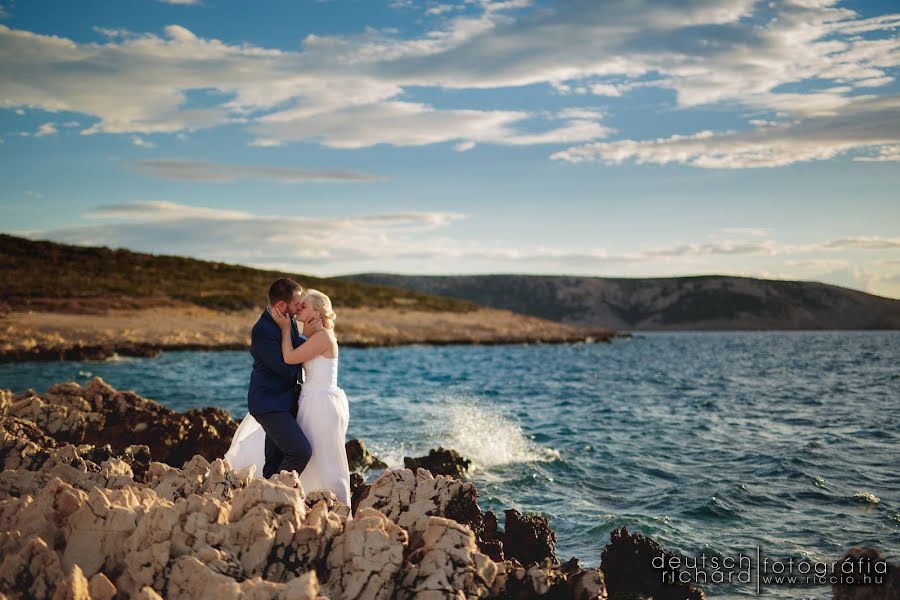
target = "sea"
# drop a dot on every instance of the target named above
(781, 447)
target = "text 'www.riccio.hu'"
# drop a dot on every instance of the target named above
(760, 570)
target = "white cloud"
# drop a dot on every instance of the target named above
(157, 210)
(162, 226)
(862, 278)
(863, 242)
(863, 125)
(889, 153)
(748, 231)
(33, 194)
(416, 124)
(201, 171)
(348, 91)
(818, 263)
(426, 242)
(46, 129)
(141, 142)
(183, 2)
(607, 89)
(441, 9)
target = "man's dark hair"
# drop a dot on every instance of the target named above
(283, 288)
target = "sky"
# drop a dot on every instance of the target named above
(635, 138)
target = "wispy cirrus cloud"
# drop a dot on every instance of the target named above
(260, 240)
(213, 172)
(350, 243)
(157, 210)
(863, 242)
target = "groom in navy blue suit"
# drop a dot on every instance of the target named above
(275, 385)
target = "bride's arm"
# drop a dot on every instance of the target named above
(314, 346)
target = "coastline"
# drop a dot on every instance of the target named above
(155, 512)
(107, 494)
(54, 336)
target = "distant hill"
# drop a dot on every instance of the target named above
(49, 276)
(708, 302)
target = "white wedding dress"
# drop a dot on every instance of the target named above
(323, 415)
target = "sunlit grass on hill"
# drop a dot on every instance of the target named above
(41, 275)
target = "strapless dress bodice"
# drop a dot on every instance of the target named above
(321, 373)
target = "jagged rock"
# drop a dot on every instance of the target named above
(359, 489)
(588, 584)
(548, 580)
(863, 561)
(265, 516)
(528, 538)
(101, 587)
(43, 516)
(366, 557)
(74, 587)
(193, 579)
(509, 581)
(23, 445)
(20, 483)
(147, 593)
(136, 456)
(190, 578)
(60, 420)
(627, 564)
(448, 564)
(489, 535)
(98, 414)
(440, 462)
(408, 499)
(34, 571)
(84, 521)
(359, 458)
(96, 533)
(6, 399)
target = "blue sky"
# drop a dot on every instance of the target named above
(638, 138)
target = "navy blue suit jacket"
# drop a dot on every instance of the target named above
(272, 382)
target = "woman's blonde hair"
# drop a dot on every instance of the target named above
(321, 303)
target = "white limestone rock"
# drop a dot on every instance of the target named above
(366, 558)
(410, 499)
(448, 565)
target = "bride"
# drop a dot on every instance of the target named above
(323, 412)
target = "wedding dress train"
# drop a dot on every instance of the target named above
(323, 415)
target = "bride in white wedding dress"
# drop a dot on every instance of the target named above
(323, 412)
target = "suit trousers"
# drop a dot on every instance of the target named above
(287, 448)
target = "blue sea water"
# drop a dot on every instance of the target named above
(786, 443)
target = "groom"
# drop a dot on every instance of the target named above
(275, 385)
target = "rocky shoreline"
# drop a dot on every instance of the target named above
(49, 337)
(105, 494)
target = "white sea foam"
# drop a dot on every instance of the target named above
(480, 432)
(484, 434)
(117, 358)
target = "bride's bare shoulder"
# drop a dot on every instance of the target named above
(332, 351)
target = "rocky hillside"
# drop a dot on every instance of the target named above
(47, 276)
(708, 302)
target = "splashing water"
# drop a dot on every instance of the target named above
(484, 434)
